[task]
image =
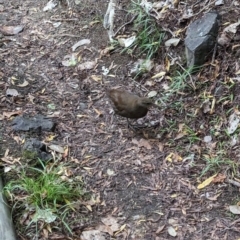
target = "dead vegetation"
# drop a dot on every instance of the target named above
(179, 179)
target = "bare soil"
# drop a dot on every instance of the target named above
(145, 191)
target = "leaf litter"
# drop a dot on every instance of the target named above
(135, 175)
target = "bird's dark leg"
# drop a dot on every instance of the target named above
(130, 126)
(134, 127)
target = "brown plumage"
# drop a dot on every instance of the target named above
(129, 105)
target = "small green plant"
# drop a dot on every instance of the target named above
(30, 155)
(45, 190)
(215, 163)
(191, 134)
(148, 35)
(177, 86)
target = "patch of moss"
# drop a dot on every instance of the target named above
(27, 154)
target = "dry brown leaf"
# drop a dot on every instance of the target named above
(86, 235)
(111, 225)
(179, 135)
(159, 75)
(99, 113)
(173, 157)
(144, 143)
(206, 182)
(9, 159)
(10, 114)
(65, 154)
(11, 30)
(219, 178)
(160, 229)
(87, 65)
(214, 198)
(160, 147)
(120, 230)
(96, 78)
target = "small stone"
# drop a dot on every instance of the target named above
(207, 139)
(219, 2)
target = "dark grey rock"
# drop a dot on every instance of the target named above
(36, 123)
(201, 39)
(33, 149)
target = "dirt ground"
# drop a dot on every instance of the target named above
(128, 171)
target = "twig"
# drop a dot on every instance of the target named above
(214, 53)
(65, 35)
(235, 183)
(206, 7)
(66, 19)
(125, 25)
(234, 222)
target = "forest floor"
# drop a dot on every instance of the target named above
(145, 182)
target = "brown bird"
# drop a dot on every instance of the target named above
(129, 105)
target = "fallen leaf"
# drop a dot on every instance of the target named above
(111, 222)
(99, 113)
(232, 27)
(80, 43)
(110, 172)
(96, 78)
(93, 234)
(169, 157)
(219, 178)
(235, 209)
(10, 114)
(152, 94)
(173, 157)
(172, 42)
(180, 135)
(167, 64)
(120, 230)
(158, 75)
(24, 84)
(206, 182)
(214, 198)
(87, 65)
(11, 30)
(93, 22)
(126, 42)
(56, 148)
(144, 143)
(160, 229)
(89, 208)
(50, 138)
(172, 232)
(160, 147)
